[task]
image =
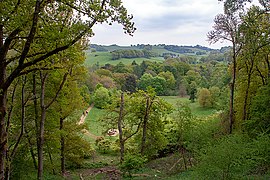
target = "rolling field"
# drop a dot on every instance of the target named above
(103, 58)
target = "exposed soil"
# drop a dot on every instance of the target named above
(108, 173)
(85, 113)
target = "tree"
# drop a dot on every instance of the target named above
(101, 97)
(204, 97)
(215, 96)
(170, 80)
(32, 31)
(192, 91)
(254, 34)
(226, 28)
(259, 120)
(130, 83)
(139, 118)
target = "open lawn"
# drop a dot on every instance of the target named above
(195, 107)
(95, 126)
(92, 120)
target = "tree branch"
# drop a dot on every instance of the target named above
(31, 33)
(58, 91)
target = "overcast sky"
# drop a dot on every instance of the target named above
(178, 22)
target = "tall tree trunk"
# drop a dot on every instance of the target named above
(268, 66)
(3, 111)
(145, 120)
(51, 159)
(31, 149)
(9, 114)
(12, 155)
(120, 121)
(35, 105)
(247, 90)
(41, 126)
(232, 88)
(62, 142)
(44, 108)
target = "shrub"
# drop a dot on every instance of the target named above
(230, 157)
(204, 97)
(132, 163)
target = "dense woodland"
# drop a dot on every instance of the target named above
(48, 79)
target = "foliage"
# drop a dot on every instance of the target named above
(233, 157)
(131, 53)
(259, 121)
(178, 126)
(104, 145)
(101, 97)
(157, 82)
(204, 98)
(132, 163)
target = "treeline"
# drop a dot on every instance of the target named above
(178, 49)
(98, 48)
(172, 48)
(131, 53)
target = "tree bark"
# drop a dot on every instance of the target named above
(62, 153)
(232, 88)
(44, 108)
(3, 111)
(249, 71)
(31, 149)
(120, 121)
(145, 121)
(13, 152)
(41, 126)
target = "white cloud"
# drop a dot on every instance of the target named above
(164, 21)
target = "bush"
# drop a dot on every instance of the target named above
(204, 97)
(132, 163)
(234, 157)
(104, 145)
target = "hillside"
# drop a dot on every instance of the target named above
(113, 54)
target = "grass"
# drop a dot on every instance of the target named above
(98, 57)
(195, 107)
(103, 58)
(92, 120)
(163, 168)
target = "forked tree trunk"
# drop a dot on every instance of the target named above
(44, 108)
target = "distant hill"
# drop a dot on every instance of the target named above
(160, 49)
(113, 54)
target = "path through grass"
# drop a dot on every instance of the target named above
(93, 122)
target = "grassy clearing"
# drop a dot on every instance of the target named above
(92, 120)
(195, 107)
(103, 58)
(98, 57)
